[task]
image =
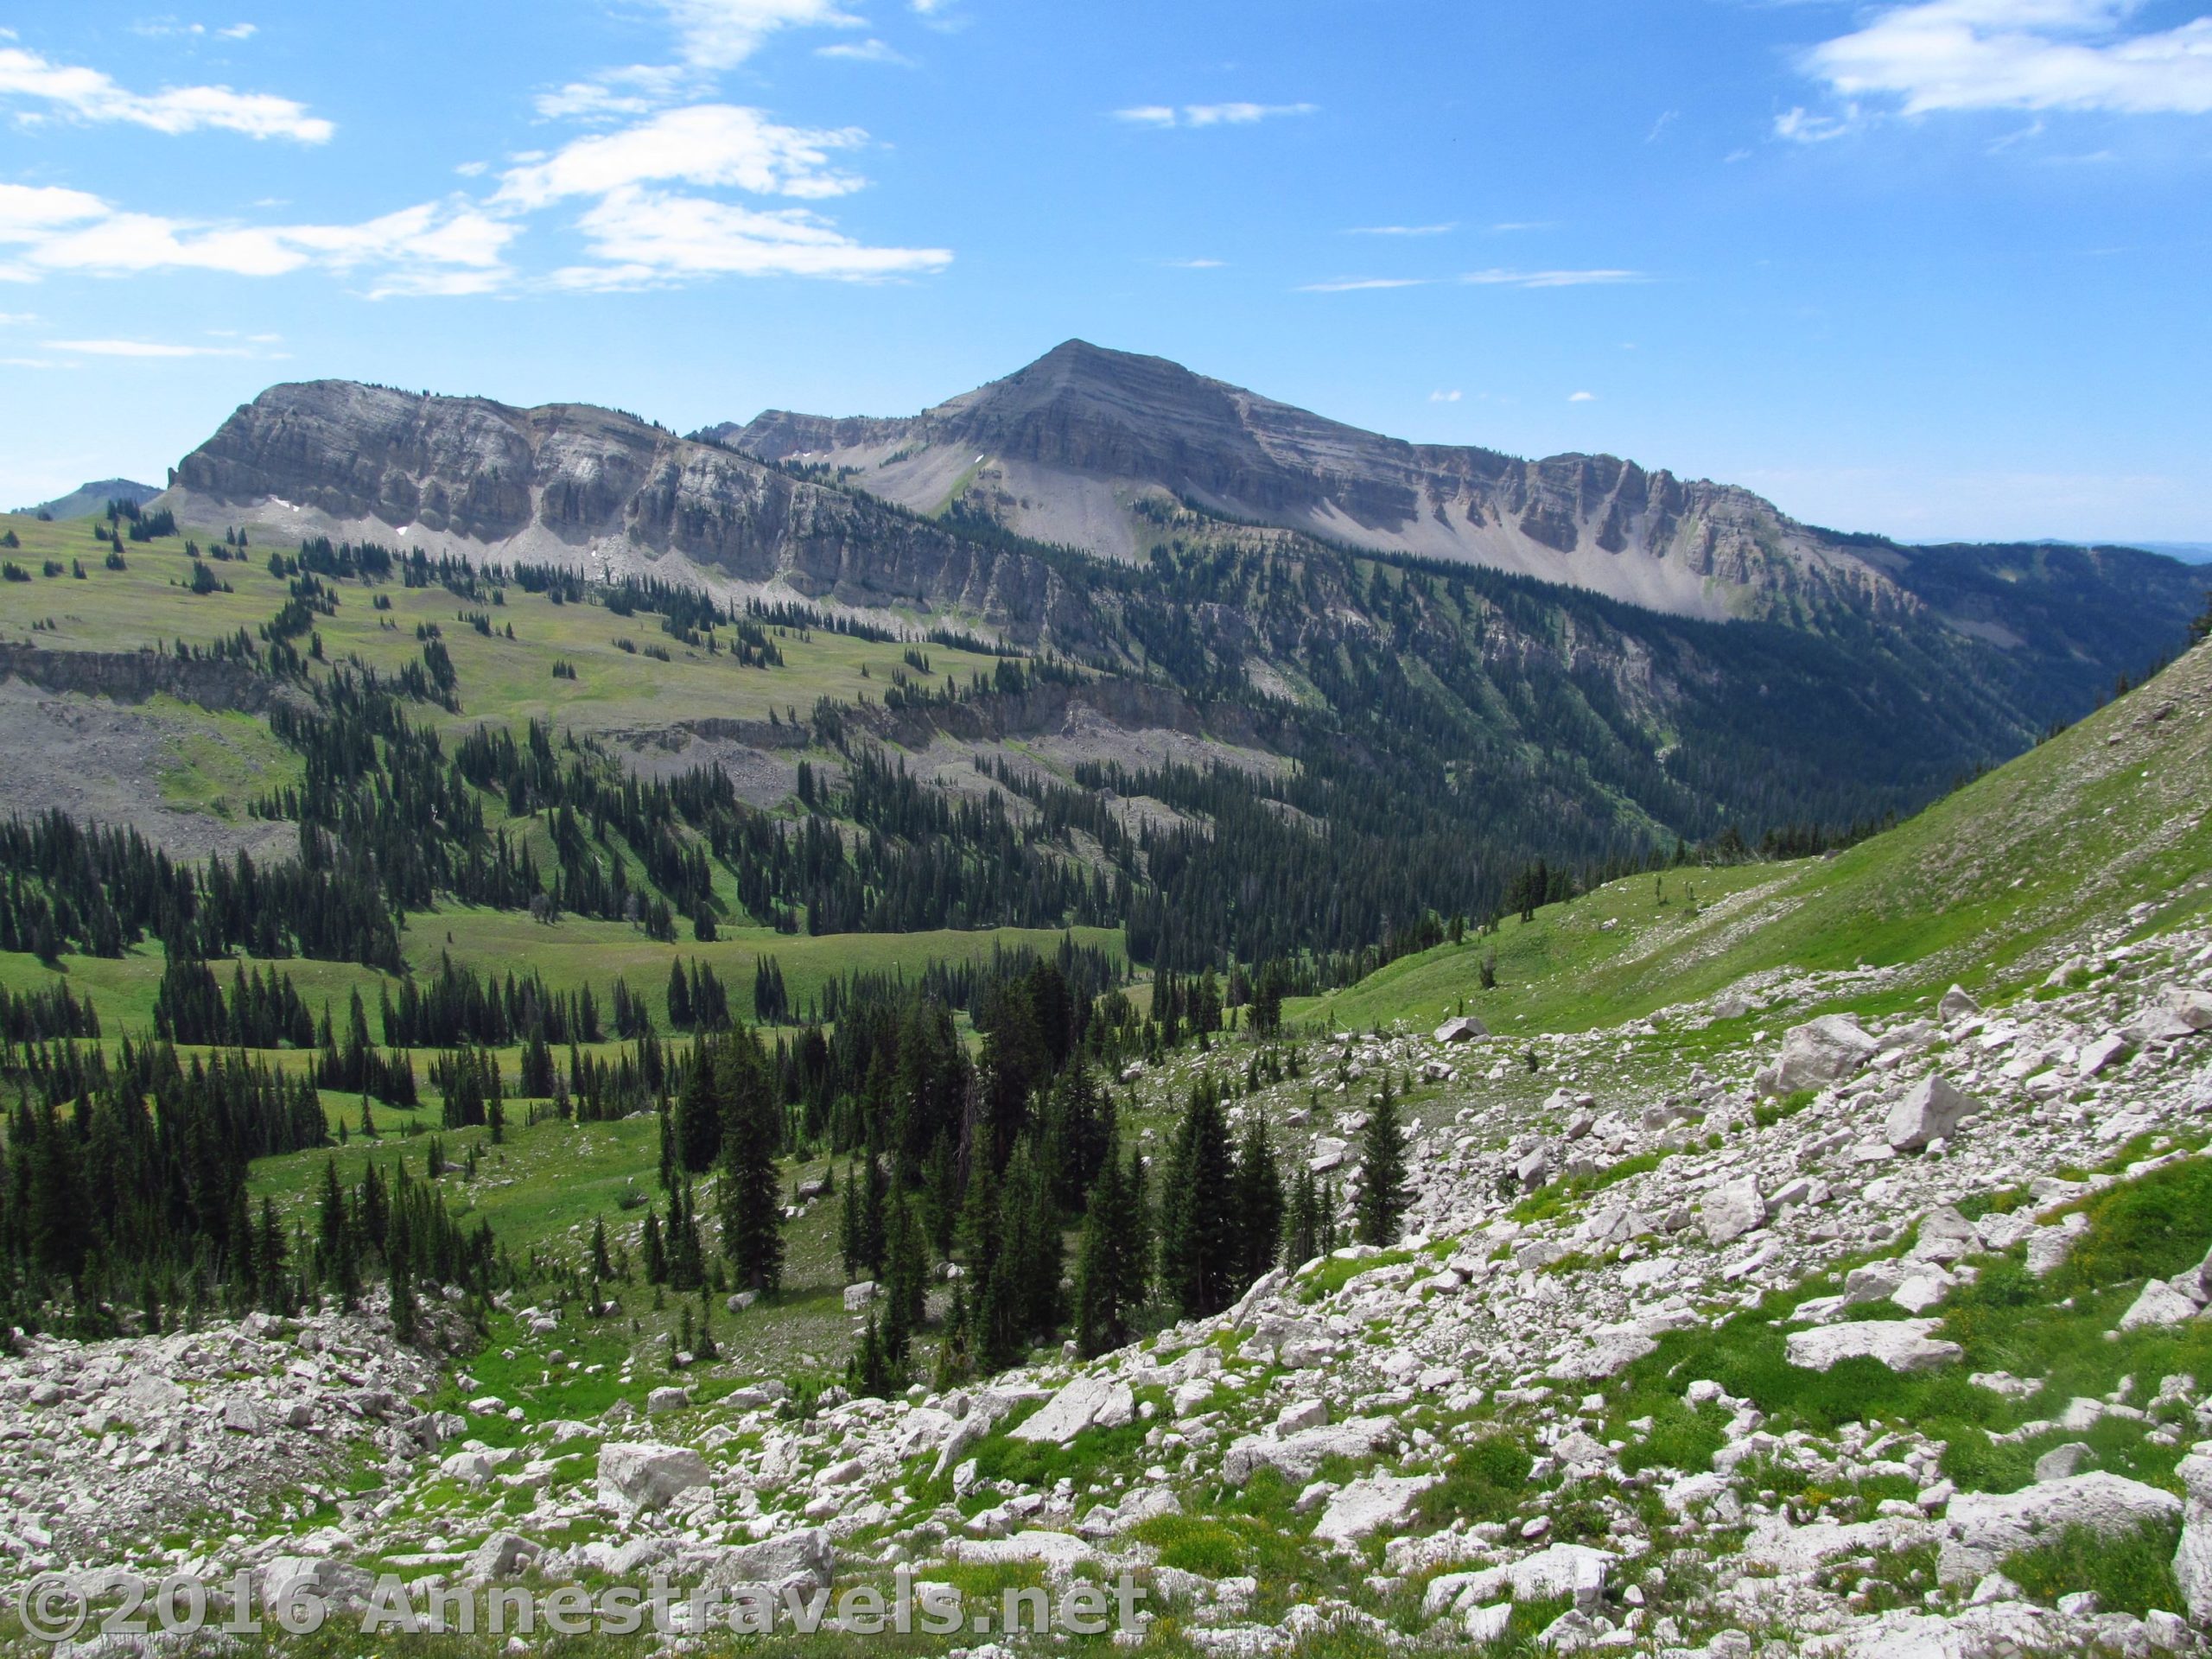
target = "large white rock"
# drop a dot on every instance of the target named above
(2159, 1304)
(1464, 1029)
(1376, 1503)
(1944, 1234)
(804, 1557)
(1087, 1403)
(639, 1475)
(1820, 1051)
(289, 1579)
(1732, 1210)
(1573, 1570)
(1932, 1109)
(2189, 1006)
(1299, 1455)
(1607, 1354)
(2193, 1560)
(1957, 1002)
(1986, 1527)
(503, 1555)
(1901, 1344)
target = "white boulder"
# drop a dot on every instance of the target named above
(639, 1475)
(1901, 1344)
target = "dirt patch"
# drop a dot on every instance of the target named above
(101, 762)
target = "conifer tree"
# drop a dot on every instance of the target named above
(1109, 1269)
(752, 1199)
(653, 1252)
(601, 1268)
(906, 1282)
(1383, 1196)
(1259, 1203)
(1302, 1226)
(1198, 1230)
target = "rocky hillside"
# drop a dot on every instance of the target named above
(593, 490)
(1086, 446)
(1823, 1314)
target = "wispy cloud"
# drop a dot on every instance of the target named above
(1208, 115)
(1363, 285)
(615, 94)
(1552, 279)
(645, 238)
(1482, 279)
(1194, 264)
(1511, 225)
(642, 232)
(1801, 126)
(1451, 397)
(1582, 397)
(867, 51)
(704, 144)
(717, 35)
(2032, 55)
(448, 247)
(78, 95)
(1400, 230)
(169, 29)
(142, 348)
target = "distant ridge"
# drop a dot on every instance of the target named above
(94, 497)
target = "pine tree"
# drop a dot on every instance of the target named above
(655, 1254)
(906, 1282)
(601, 1268)
(1303, 1228)
(752, 1199)
(1198, 1243)
(1383, 1196)
(687, 1265)
(870, 1372)
(1110, 1267)
(1259, 1203)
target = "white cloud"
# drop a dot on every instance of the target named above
(169, 27)
(432, 248)
(1451, 397)
(1400, 230)
(1801, 126)
(1582, 397)
(1208, 115)
(2031, 55)
(1552, 279)
(647, 238)
(30, 211)
(867, 51)
(715, 35)
(615, 94)
(705, 144)
(141, 349)
(1194, 264)
(1361, 284)
(1512, 224)
(89, 95)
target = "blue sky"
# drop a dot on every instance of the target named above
(1934, 268)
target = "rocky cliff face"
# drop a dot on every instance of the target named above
(1066, 450)
(580, 486)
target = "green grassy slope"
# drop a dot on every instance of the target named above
(2107, 820)
(503, 681)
